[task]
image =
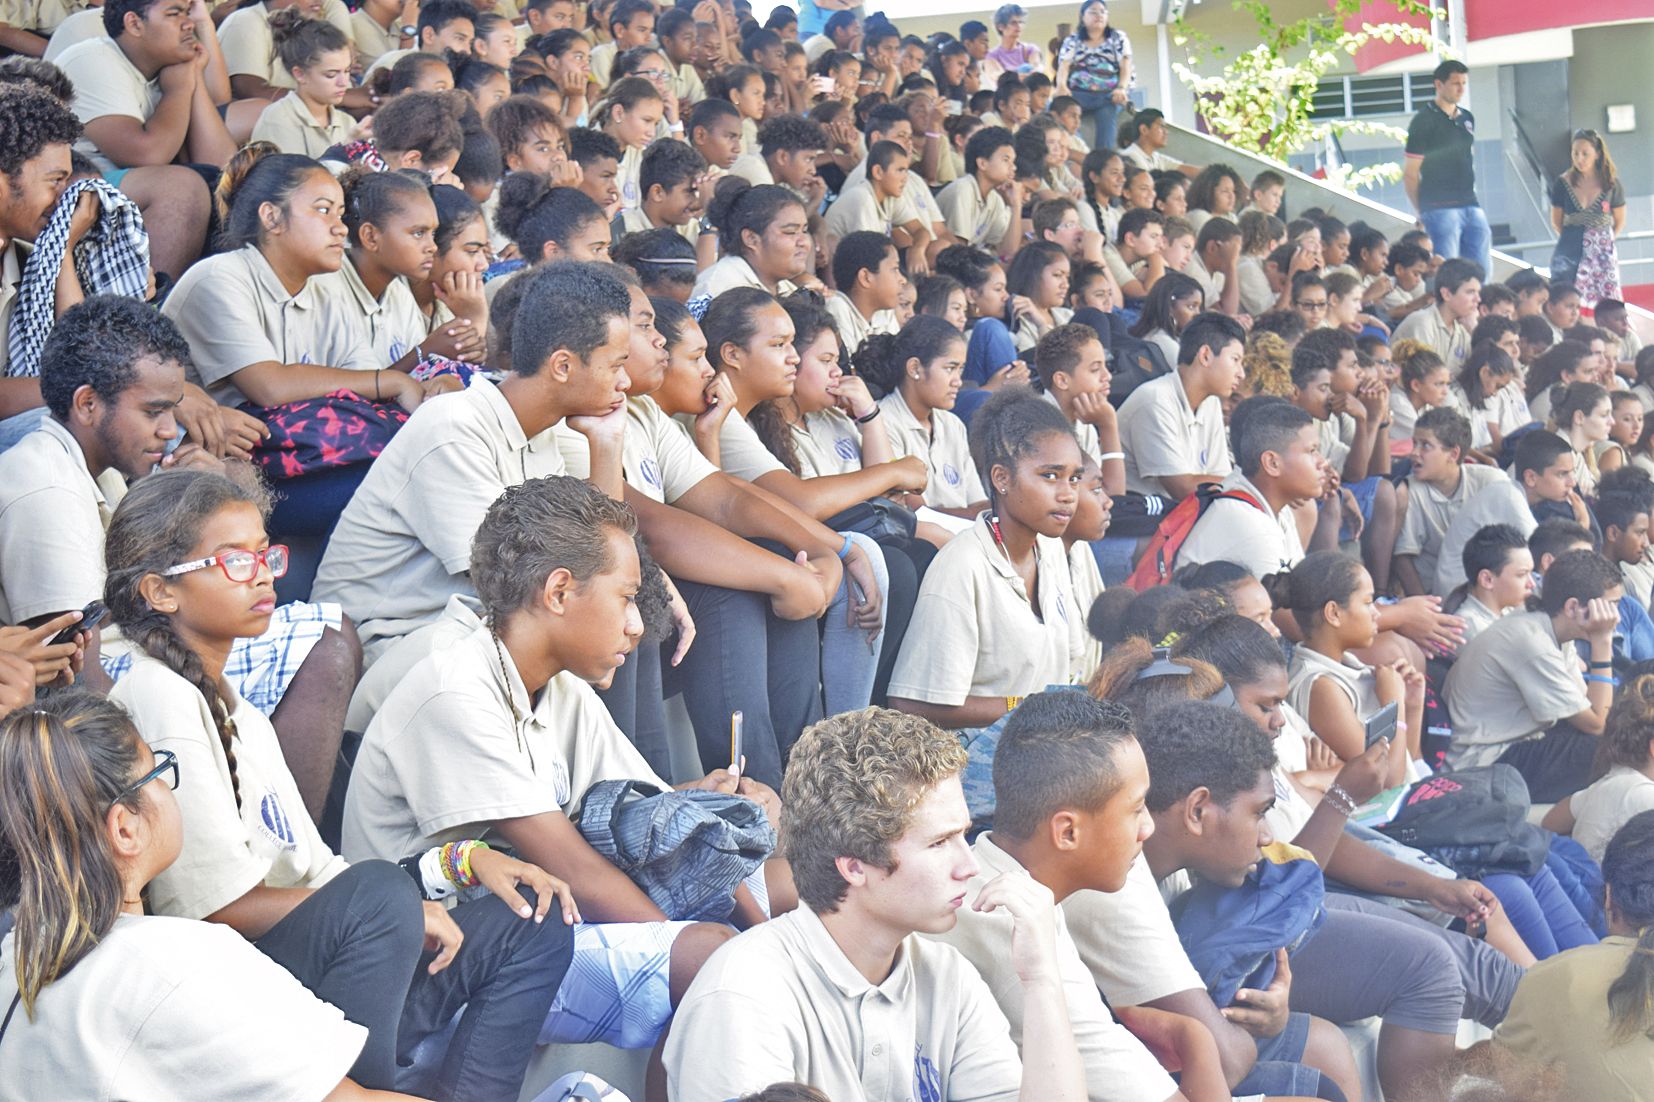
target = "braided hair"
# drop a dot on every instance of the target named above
(156, 526)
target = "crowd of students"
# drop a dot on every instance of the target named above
(404, 405)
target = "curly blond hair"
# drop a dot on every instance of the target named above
(851, 786)
(1268, 363)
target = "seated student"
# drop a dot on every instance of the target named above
(915, 374)
(1445, 327)
(598, 156)
(1074, 376)
(1037, 281)
(1331, 598)
(1280, 467)
(785, 154)
(1623, 515)
(454, 281)
(87, 821)
(1553, 539)
(868, 274)
(1610, 313)
(417, 510)
(1595, 814)
(874, 826)
(879, 204)
(1092, 514)
(1499, 571)
(1584, 1014)
(1134, 258)
(1542, 482)
(750, 340)
(547, 223)
(891, 122)
(1214, 264)
(973, 207)
(376, 29)
(1516, 693)
(1440, 485)
(662, 260)
(557, 573)
(250, 38)
(1175, 301)
(1171, 428)
(1350, 410)
(1420, 385)
(1582, 414)
(1561, 308)
(630, 113)
(1624, 430)
(1637, 484)
(444, 26)
(309, 119)
(953, 670)
(629, 24)
(669, 176)
(1486, 393)
(991, 360)
(1559, 365)
(676, 35)
(1069, 778)
(713, 129)
(764, 238)
(565, 52)
(1532, 292)
(393, 240)
(112, 372)
(191, 570)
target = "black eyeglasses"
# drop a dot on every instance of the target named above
(165, 762)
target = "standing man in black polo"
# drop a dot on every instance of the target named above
(1440, 173)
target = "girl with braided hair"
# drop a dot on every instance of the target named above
(190, 571)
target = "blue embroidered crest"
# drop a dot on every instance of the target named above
(845, 449)
(950, 474)
(650, 471)
(927, 1080)
(273, 818)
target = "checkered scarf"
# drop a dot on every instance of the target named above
(112, 259)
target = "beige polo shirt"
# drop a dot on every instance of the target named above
(658, 459)
(974, 631)
(1353, 678)
(461, 616)
(1162, 434)
(52, 519)
(636, 221)
(77, 28)
(1499, 501)
(1600, 810)
(289, 124)
(1510, 684)
(1449, 340)
(1087, 580)
(741, 452)
(392, 325)
(1128, 943)
(1117, 1066)
(603, 62)
(1430, 512)
(1477, 617)
(944, 446)
(403, 545)
(629, 176)
(250, 49)
(686, 84)
(1559, 1016)
(235, 312)
(827, 442)
(386, 60)
(269, 840)
(858, 208)
(1336, 435)
(917, 193)
(106, 83)
(522, 756)
(1234, 531)
(802, 1011)
(978, 219)
(853, 328)
(372, 40)
(731, 272)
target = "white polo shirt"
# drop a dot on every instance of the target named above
(1162, 434)
(1500, 501)
(75, 29)
(858, 208)
(1117, 1066)
(917, 193)
(402, 546)
(974, 217)
(944, 446)
(741, 453)
(106, 83)
(392, 325)
(853, 328)
(1449, 340)
(1510, 684)
(828, 442)
(235, 312)
(1234, 531)
(657, 459)
(1430, 512)
(1085, 433)
(269, 840)
(734, 271)
(1128, 943)
(975, 632)
(456, 705)
(930, 1031)
(289, 125)
(52, 518)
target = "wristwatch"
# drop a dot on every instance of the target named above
(408, 30)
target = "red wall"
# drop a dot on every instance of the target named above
(1491, 19)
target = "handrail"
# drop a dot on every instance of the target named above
(1550, 242)
(1525, 144)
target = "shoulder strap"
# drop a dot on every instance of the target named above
(1241, 495)
(5, 1024)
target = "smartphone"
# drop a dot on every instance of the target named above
(822, 85)
(90, 617)
(1382, 723)
(735, 743)
(953, 107)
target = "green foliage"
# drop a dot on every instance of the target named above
(1260, 100)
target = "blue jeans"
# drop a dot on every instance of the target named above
(1543, 915)
(849, 663)
(19, 425)
(1461, 231)
(1099, 111)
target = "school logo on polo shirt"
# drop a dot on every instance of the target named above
(273, 821)
(845, 449)
(950, 474)
(650, 471)
(927, 1080)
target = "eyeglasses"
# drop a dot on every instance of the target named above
(655, 75)
(1304, 304)
(165, 762)
(238, 566)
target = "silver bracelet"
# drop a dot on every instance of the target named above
(1342, 802)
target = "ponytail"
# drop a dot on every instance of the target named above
(300, 42)
(258, 173)
(882, 358)
(372, 198)
(1628, 871)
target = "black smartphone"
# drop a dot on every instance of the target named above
(1382, 723)
(90, 617)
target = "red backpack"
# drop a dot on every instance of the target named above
(1160, 556)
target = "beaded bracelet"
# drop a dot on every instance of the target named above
(1340, 799)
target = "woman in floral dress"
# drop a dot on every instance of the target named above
(1587, 211)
